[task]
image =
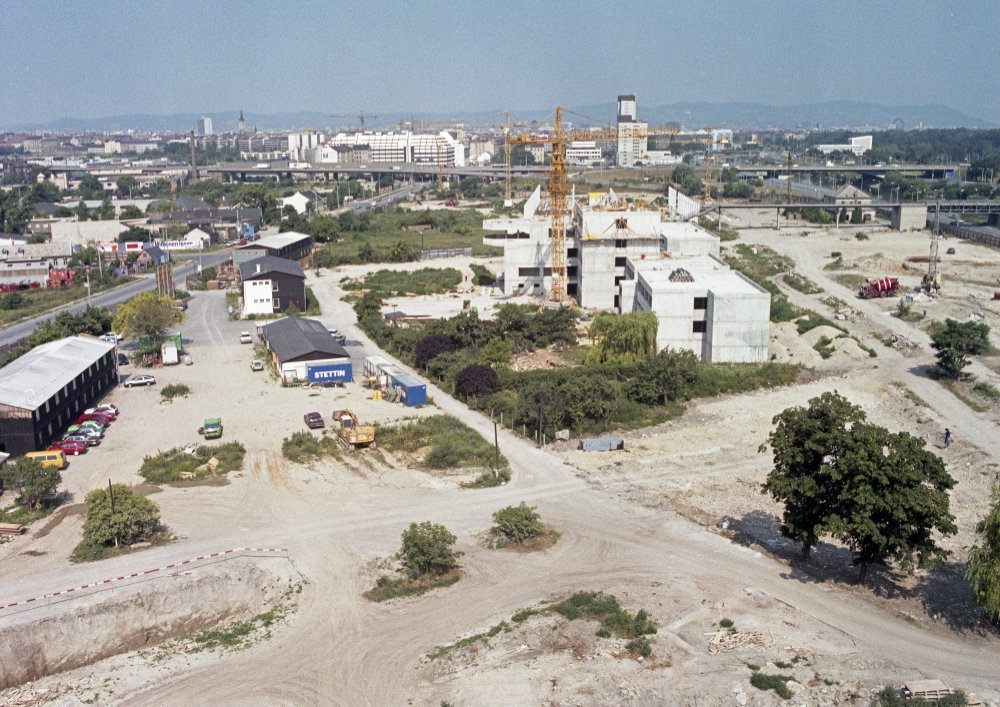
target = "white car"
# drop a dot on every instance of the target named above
(245, 337)
(139, 380)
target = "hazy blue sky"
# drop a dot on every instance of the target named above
(91, 58)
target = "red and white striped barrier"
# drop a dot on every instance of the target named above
(223, 553)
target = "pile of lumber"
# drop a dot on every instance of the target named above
(11, 529)
(722, 641)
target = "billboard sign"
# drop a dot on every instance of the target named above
(330, 373)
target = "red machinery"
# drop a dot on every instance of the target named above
(886, 287)
(60, 278)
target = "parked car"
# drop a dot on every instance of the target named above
(87, 439)
(338, 337)
(102, 410)
(314, 420)
(96, 417)
(90, 428)
(70, 446)
(245, 337)
(52, 457)
(123, 360)
(108, 406)
(256, 365)
(212, 429)
(188, 360)
(139, 380)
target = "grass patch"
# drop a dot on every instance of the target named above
(861, 236)
(910, 395)
(174, 390)
(834, 302)
(426, 281)
(312, 304)
(166, 467)
(757, 262)
(813, 320)
(31, 303)
(986, 391)
(639, 647)
(85, 552)
(442, 651)
(765, 682)
(240, 635)
(724, 234)
(543, 541)
(871, 352)
(387, 587)
(20, 515)
(753, 666)
(836, 264)
(523, 615)
(824, 348)
(959, 391)
(604, 608)
(801, 283)
(730, 378)
(484, 278)
(850, 280)
(304, 446)
(449, 444)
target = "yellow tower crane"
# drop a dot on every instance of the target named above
(508, 201)
(557, 184)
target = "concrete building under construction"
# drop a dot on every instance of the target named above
(611, 245)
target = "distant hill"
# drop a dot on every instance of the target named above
(829, 115)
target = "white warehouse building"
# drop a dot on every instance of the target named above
(702, 305)
(403, 147)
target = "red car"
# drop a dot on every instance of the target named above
(101, 417)
(69, 447)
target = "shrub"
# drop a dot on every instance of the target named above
(726, 623)
(427, 548)
(987, 391)
(453, 444)
(765, 682)
(476, 380)
(303, 446)
(12, 300)
(134, 519)
(166, 467)
(604, 608)
(519, 523)
(623, 338)
(174, 390)
(639, 646)
(957, 341)
(430, 347)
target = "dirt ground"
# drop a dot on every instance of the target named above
(674, 525)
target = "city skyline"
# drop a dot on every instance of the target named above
(182, 57)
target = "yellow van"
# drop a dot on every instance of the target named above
(50, 457)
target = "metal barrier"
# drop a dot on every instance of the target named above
(434, 253)
(966, 233)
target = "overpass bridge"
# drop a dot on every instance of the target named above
(328, 172)
(926, 171)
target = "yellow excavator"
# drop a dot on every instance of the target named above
(350, 433)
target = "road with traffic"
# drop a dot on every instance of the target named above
(13, 334)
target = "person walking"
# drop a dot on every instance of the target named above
(947, 437)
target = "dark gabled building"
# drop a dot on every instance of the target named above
(288, 246)
(303, 349)
(272, 285)
(46, 389)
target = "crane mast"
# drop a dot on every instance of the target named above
(707, 196)
(507, 200)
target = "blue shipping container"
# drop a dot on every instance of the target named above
(412, 390)
(330, 373)
(602, 444)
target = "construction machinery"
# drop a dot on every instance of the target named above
(709, 144)
(350, 433)
(886, 287)
(360, 115)
(932, 280)
(558, 210)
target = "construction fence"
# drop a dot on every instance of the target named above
(436, 253)
(966, 233)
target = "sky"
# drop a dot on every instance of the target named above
(66, 58)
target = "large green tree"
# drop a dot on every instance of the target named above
(882, 494)
(134, 519)
(260, 196)
(427, 548)
(30, 480)
(957, 341)
(623, 338)
(147, 314)
(983, 568)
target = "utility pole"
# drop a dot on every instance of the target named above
(194, 164)
(88, 289)
(496, 446)
(507, 200)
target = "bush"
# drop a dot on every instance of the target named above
(987, 391)
(166, 467)
(134, 519)
(802, 284)
(957, 341)
(453, 444)
(605, 608)
(12, 300)
(303, 446)
(427, 548)
(765, 682)
(519, 523)
(30, 480)
(431, 346)
(640, 647)
(484, 278)
(426, 281)
(174, 390)
(476, 380)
